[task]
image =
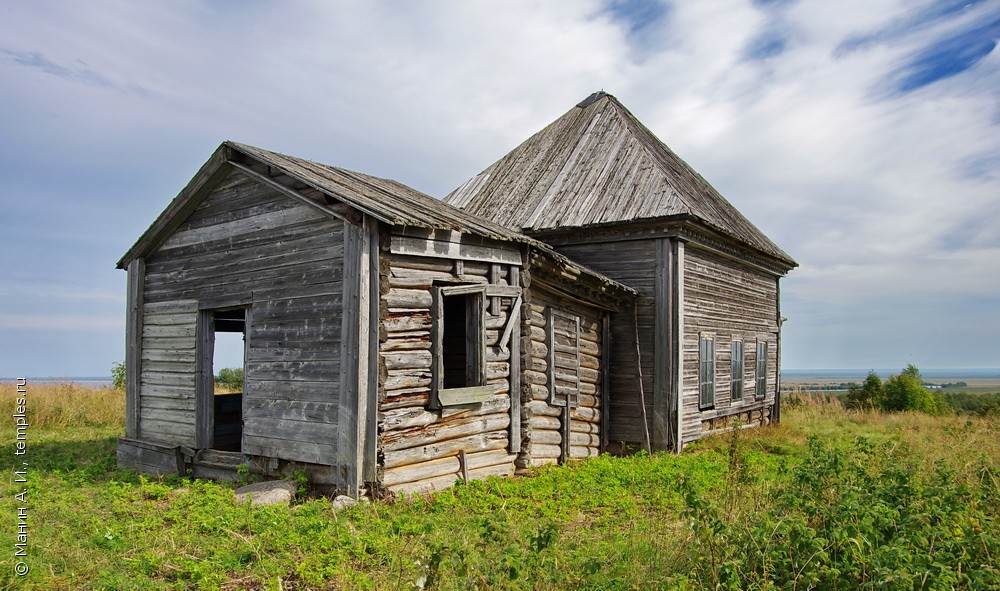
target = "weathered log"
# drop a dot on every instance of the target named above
(540, 451)
(541, 407)
(421, 471)
(408, 299)
(420, 359)
(546, 437)
(407, 342)
(472, 443)
(443, 431)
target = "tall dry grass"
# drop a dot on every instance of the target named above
(66, 405)
(963, 442)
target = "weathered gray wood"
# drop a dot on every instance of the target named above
(354, 356)
(514, 321)
(270, 182)
(148, 457)
(204, 380)
(461, 396)
(678, 339)
(660, 428)
(605, 379)
(133, 345)
(454, 250)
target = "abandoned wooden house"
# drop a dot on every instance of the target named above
(394, 342)
(384, 333)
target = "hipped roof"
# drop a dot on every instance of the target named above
(385, 200)
(597, 165)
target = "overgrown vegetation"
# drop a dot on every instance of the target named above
(829, 499)
(230, 378)
(118, 372)
(903, 392)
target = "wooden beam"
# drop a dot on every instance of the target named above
(289, 192)
(354, 355)
(453, 250)
(677, 338)
(369, 445)
(204, 380)
(133, 345)
(514, 429)
(513, 321)
(661, 348)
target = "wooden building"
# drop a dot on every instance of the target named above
(395, 343)
(392, 342)
(600, 188)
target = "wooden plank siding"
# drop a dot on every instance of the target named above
(633, 263)
(727, 301)
(246, 244)
(422, 450)
(576, 359)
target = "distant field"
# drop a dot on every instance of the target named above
(976, 384)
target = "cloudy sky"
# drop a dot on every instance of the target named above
(863, 136)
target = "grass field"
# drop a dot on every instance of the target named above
(829, 499)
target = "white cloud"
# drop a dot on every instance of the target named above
(874, 192)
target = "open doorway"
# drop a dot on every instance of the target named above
(228, 366)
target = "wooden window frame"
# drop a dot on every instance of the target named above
(571, 399)
(760, 371)
(706, 371)
(477, 391)
(737, 370)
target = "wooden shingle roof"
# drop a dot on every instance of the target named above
(597, 165)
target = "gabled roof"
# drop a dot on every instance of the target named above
(386, 200)
(598, 165)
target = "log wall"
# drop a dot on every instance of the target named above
(727, 301)
(545, 438)
(422, 450)
(249, 245)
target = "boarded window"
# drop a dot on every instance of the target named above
(564, 358)
(736, 389)
(706, 372)
(459, 345)
(761, 373)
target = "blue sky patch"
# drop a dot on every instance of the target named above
(766, 46)
(637, 14)
(948, 56)
(931, 14)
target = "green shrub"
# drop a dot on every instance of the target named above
(907, 392)
(118, 372)
(231, 378)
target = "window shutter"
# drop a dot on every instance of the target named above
(706, 372)
(737, 371)
(761, 371)
(564, 358)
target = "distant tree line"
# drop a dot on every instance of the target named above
(903, 392)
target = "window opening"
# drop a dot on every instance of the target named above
(459, 346)
(457, 349)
